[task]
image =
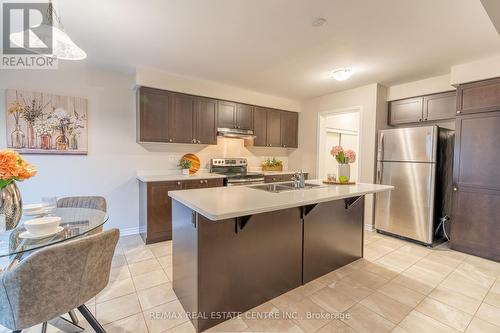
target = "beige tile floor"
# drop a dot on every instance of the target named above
(397, 287)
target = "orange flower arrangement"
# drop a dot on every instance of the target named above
(13, 168)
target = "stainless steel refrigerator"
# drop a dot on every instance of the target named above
(417, 161)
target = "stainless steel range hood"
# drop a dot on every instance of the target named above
(235, 133)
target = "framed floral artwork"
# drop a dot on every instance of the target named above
(40, 123)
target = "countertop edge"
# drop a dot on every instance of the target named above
(270, 209)
(166, 178)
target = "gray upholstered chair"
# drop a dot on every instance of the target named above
(83, 202)
(55, 280)
(92, 202)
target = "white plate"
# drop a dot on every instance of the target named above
(28, 235)
(34, 207)
(39, 212)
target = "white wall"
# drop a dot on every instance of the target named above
(421, 87)
(344, 121)
(114, 157)
(368, 99)
(481, 69)
(155, 78)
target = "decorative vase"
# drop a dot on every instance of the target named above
(73, 143)
(344, 170)
(185, 171)
(11, 205)
(45, 141)
(31, 137)
(62, 141)
(17, 138)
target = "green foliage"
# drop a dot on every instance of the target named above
(272, 162)
(185, 164)
(343, 179)
(341, 158)
(5, 182)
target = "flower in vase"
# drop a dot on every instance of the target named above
(336, 150)
(14, 168)
(350, 155)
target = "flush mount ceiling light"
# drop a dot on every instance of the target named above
(318, 22)
(62, 45)
(341, 74)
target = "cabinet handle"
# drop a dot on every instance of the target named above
(459, 112)
(270, 145)
(455, 189)
(206, 181)
(199, 141)
(284, 146)
(170, 140)
(425, 119)
(201, 181)
(178, 183)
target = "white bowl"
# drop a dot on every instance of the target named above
(34, 207)
(42, 225)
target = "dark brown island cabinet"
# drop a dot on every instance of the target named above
(475, 220)
(155, 206)
(420, 109)
(172, 117)
(231, 265)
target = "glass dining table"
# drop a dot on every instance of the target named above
(76, 222)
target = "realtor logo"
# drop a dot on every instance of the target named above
(27, 41)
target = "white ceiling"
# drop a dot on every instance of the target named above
(271, 46)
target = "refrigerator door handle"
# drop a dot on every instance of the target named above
(381, 147)
(380, 172)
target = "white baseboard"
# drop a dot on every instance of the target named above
(369, 227)
(129, 231)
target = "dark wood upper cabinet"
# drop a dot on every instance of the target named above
(260, 127)
(273, 128)
(244, 116)
(181, 129)
(483, 96)
(205, 119)
(406, 111)
(289, 129)
(226, 114)
(153, 113)
(164, 116)
(433, 107)
(440, 106)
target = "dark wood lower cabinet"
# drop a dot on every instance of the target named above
(334, 241)
(155, 206)
(223, 268)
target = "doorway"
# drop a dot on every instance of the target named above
(338, 128)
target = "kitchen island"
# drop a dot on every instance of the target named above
(237, 247)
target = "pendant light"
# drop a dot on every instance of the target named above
(62, 45)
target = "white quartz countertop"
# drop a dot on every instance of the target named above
(220, 203)
(174, 177)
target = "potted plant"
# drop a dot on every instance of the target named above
(185, 165)
(13, 168)
(272, 165)
(344, 158)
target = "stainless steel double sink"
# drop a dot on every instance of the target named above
(282, 187)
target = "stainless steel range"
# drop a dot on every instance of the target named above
(235, 170)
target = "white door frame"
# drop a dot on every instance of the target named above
(322, 128)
